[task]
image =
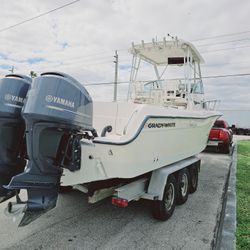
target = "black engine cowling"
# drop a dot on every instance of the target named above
(13, 91)
(57, 111)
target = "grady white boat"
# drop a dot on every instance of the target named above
(72, 141)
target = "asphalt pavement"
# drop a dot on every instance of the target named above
(75, 224)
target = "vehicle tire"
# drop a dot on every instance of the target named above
(194, 176)
(162, 210)
(183, 180)
(65, 189)
(225, 149)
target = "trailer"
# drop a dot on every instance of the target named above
(165, 187)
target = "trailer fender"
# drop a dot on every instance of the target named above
(159, 177)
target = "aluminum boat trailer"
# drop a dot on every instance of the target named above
(165, 187)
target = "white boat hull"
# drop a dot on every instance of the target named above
(160, 140)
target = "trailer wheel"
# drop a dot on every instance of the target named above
(163, 209)
(183, 180)
(193, 179)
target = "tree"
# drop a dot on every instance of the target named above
(33, 74)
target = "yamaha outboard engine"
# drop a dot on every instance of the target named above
(57, 112)
(13, 91)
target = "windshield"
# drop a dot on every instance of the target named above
(197, 88)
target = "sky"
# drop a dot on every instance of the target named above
(81, 40)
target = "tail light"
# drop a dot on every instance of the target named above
(214, 134)
(119, 202)
(223, 135)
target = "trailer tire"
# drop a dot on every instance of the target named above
(193, 184)
(183, 180)
(163, 209)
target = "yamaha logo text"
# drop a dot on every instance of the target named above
(14, 98)
(58, 100)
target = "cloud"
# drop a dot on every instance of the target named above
(34, 60)
(5, 66)
(81, 39)
(125, 67)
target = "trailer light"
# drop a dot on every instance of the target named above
(119, 202)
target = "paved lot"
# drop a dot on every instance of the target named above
(74, 224)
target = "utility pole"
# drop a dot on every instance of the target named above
(12, 70)
(116, 75)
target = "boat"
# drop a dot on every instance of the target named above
(73, 141)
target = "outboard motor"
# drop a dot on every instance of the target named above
(58, 114)
(13, 91)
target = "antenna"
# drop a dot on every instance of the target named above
(116, 76)
(164, 41)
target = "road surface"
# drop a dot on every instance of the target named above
(74, 224)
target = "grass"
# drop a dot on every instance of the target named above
(243, 196)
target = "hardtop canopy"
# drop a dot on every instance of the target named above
(166, 52)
